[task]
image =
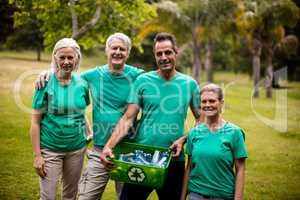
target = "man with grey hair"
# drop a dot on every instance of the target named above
(109, 86)
(163, 96)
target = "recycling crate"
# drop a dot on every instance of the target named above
(140, 174)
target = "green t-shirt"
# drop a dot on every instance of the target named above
(164, 107)
(109, 93)
(63, 120)
(213, 155)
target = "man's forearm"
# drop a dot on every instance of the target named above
(182, 140)
(120, 131)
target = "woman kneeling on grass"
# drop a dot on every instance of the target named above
(59, 125)
(214, 148)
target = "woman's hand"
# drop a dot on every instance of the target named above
(177, 146)
(39, 166)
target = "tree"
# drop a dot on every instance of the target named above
(26, 28)
(262, 23)
(195, 22)
(275, 15)
(216, 17)
(6, 21)
(89, 22)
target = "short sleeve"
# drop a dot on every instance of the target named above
(239, 146)
(135, 93)
(140, 72)
(39, 100)
(86, 92)
(84, 76)
(195, 101)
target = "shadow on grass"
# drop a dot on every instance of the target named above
(26, 59)
(291, 135)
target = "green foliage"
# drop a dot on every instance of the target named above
(268, 15)
(6, 21)
(229, 26)
(26, 33)
(213, 16)
(115, 16)
(287, 47)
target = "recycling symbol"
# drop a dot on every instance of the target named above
(136, 174)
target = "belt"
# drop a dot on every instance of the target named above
(209, 197)
(205, 196)
(98, 149)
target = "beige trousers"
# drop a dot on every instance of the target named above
(95, 178)
(65, 164)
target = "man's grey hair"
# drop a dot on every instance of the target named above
(119, 36)
(66, 43)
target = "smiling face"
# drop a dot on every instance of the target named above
(66, 60)
(211, 104)
(165, 56)
(117, 54)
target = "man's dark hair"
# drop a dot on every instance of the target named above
(163, 37)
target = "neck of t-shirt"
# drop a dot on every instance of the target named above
(167, 76)
(115, 71)
(215, 122)
(64, 79)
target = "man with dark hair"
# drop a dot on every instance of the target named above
(165, 36)
(163, 96)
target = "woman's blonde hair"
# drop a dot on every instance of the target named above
(211, 87)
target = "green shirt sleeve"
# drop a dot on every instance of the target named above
(239, 147)
(86, 90)
(39, 100)
(84, 76)
(135, 93)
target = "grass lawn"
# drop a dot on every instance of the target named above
(272, 167)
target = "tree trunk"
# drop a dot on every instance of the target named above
(269, 72)
(38, 53)
(39, 47)
(74, 17)
(208, 62)
(256, 53)
(196, 58)
(76, 31)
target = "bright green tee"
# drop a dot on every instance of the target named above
(109, 93)
(63, 121)
(164, 106)
(213, 155)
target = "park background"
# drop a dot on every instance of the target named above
(249, 47)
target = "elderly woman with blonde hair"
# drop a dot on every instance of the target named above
(216, 153)
(59, 125)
